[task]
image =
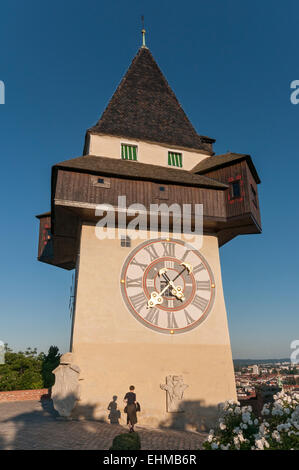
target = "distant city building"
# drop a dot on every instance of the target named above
(255, 369)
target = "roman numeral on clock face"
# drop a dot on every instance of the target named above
(203, 285)
(134, 282)
(187, 252)
(134, 262)
(138, 300)
(198, 268)
(188, 317)
(152, 252)
(200, 302)
(171, 323)
(153, 316)
(169, 249)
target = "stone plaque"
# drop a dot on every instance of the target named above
(174, 388)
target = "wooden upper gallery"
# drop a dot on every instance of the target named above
(145, 147)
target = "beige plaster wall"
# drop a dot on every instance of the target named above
(148, 152)
(114, 350)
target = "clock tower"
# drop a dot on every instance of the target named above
(149, 308)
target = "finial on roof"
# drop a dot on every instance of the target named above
(143, 32)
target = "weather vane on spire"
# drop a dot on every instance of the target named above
(143, 32)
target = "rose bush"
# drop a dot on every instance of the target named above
(239, 429)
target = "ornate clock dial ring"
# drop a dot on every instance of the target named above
(166, 286)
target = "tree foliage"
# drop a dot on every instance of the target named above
(28, 370)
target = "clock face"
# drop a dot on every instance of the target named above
(167, 286)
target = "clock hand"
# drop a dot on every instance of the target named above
(176, 291)
(156, 298)
(187, 266)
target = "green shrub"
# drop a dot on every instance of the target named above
(126, 441)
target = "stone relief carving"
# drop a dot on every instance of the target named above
(174, 388)
(65, 391)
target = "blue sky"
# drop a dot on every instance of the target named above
(230, 64)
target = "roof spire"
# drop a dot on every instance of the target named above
(143, 32)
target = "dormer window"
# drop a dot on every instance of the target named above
(128, 152)
(175, 159)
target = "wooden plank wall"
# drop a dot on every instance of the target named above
(80, 187)
(244, 205)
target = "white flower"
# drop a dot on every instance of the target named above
(260, 443)
(276, 436)
(222, 426)
(214, 446)
(223, 447)
(236, 442)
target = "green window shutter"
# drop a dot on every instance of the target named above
(128, 152)
(175, 159)
(180, 160)
(135, 153)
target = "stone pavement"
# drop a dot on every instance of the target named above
(34, 425)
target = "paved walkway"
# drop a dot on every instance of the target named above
(34, 425)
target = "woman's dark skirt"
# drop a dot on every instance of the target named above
(131, 414)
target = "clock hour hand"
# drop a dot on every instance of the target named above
(156, 298)
(176, 291)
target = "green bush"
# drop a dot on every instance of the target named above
(126, 441)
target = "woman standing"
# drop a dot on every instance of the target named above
(130, 409)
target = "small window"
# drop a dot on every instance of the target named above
(235, 189)
(161, 192)
(128, 152)
(100, 181)
(125, 241)
(175, 159)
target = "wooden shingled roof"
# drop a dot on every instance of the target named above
(137, 170)
(144, 107)
(226, 159)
